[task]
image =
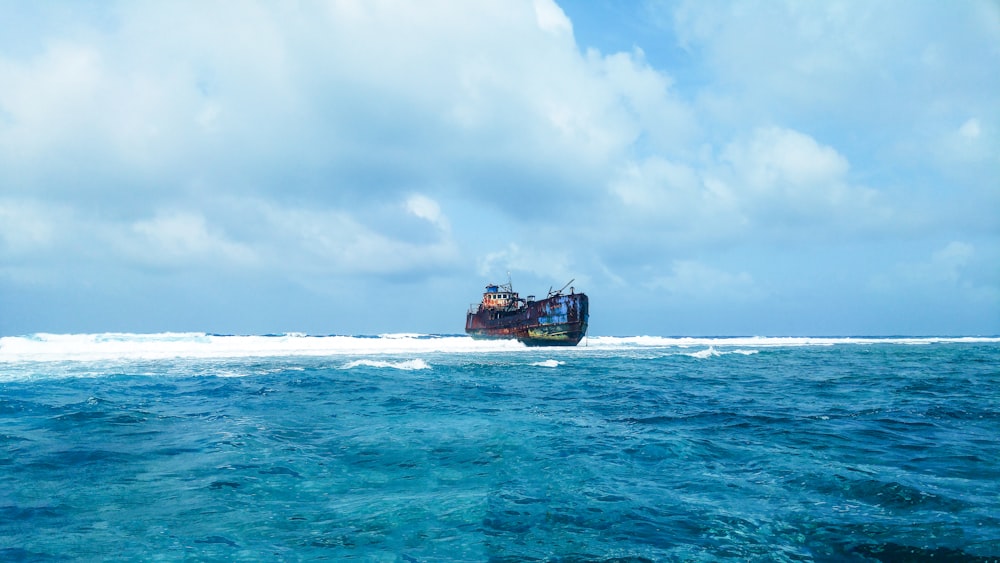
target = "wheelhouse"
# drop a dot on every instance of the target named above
(500, 297)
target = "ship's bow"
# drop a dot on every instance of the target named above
(561, 320)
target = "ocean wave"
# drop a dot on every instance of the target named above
(45, 347)
(403, 365)
(548, 364)
(711, 352)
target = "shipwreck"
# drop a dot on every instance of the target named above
(558, 320)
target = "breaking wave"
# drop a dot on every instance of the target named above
(548, 364)
(128, 346)
(404, 365)
(711, 352)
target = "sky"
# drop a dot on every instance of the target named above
(696, 167)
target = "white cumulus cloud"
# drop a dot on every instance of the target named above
(694, 279)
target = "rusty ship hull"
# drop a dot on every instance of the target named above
(559, 320)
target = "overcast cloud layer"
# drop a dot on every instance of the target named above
(699, 168)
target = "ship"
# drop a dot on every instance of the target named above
(558, 320)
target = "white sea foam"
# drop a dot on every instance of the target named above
(548, 364)
(702, 354)
(711, 352)
(122, 346)
(403, 365)
(126, 346)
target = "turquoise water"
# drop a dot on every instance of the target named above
(667, 450)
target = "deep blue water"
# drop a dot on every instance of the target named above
(857, 452)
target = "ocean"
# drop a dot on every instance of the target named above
(415, 448)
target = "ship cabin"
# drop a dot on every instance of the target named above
(500, 297)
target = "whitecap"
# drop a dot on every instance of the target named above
(711, 352)
(403, 365)
(548, 364)
(702, 354)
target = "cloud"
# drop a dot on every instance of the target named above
(551, 18)
(769, 179)
(347, 92)
(785, 161)
(690, 279)
(181, 240)
(970, 129)
(345, 106)
(426, 208)
(326, 242)
(947, 262)
(784, 176)
(957, 269)
(654, 114)
(687, 203)
(25, 228)
(536, 261)
(904, 73)
(970, 144)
